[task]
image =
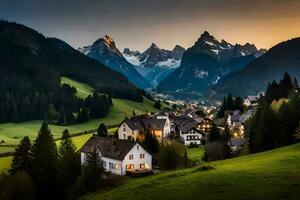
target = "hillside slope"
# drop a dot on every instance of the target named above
(270, 175)
(11, 133)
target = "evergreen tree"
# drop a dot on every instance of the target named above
(230, 103)
(214, 133)
(151, 142)
(68, 161)
(102, 131)
(83, 115)
(285, 86)
(22, 157)
(226, 134)
(44, 162)
(15, 117)
(295, 82)
(93, 171)
(51, 116)
(157, 105)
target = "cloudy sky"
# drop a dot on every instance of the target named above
(138, 23)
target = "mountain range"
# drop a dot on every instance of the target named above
(154, 64)
(206, 63)
(105, 51)
(283, 57)
(35, 60)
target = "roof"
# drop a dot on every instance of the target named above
(185, 127)
(109, 147)
(252, 98)
(154, 123)
(143, 123)
(237, 141)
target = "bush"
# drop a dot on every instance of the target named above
(216, 151)
(17, 186)
(172, 156)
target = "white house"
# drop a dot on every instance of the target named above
(189, 134)
(118, 156)
(137, 126)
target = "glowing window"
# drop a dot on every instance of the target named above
(130, 167)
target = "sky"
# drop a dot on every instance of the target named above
(137, 23)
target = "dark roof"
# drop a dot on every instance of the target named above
(185, 127)
(109, 147)
(154, 123)
(237, 141)
(141, 124)
(135, 124)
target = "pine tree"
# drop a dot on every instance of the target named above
(230, 103)
(295, 82)
(22, 157)
(226, 134)
(93, 171)
(151, 142)
(102, 131)
(44, 161)
(68, 161)
(214, 134)
(83, 115)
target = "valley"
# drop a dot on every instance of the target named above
(147, 100)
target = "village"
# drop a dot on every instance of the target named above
(189, 125)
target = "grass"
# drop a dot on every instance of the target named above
(11, 133)
(270, 175)
(195, 153)
(83, 90)
(5, 163)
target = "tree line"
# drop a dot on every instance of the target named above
(230, 103)
(24, 99)
(268, 128)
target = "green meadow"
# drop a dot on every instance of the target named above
(269, 175)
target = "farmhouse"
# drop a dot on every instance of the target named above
(189, 135)
(136, 127)
(205, 124)
(119, 156)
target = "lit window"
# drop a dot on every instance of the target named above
(130, 167)
(130, 157)
(117, 167)
(142, 166)
(142, 155)
(104, 164)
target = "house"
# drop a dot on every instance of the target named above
(205, 124)
(234, 117)
(118, 156)
(253, 100)
(189, 135)
(136, 127)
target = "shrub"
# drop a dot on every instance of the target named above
(172, 156)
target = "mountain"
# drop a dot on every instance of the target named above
(154, 63)
(254, 78)
(32, 65)
(205, 63)
(105, 51)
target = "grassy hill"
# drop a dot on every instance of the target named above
(11, 133)
(270, 175)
